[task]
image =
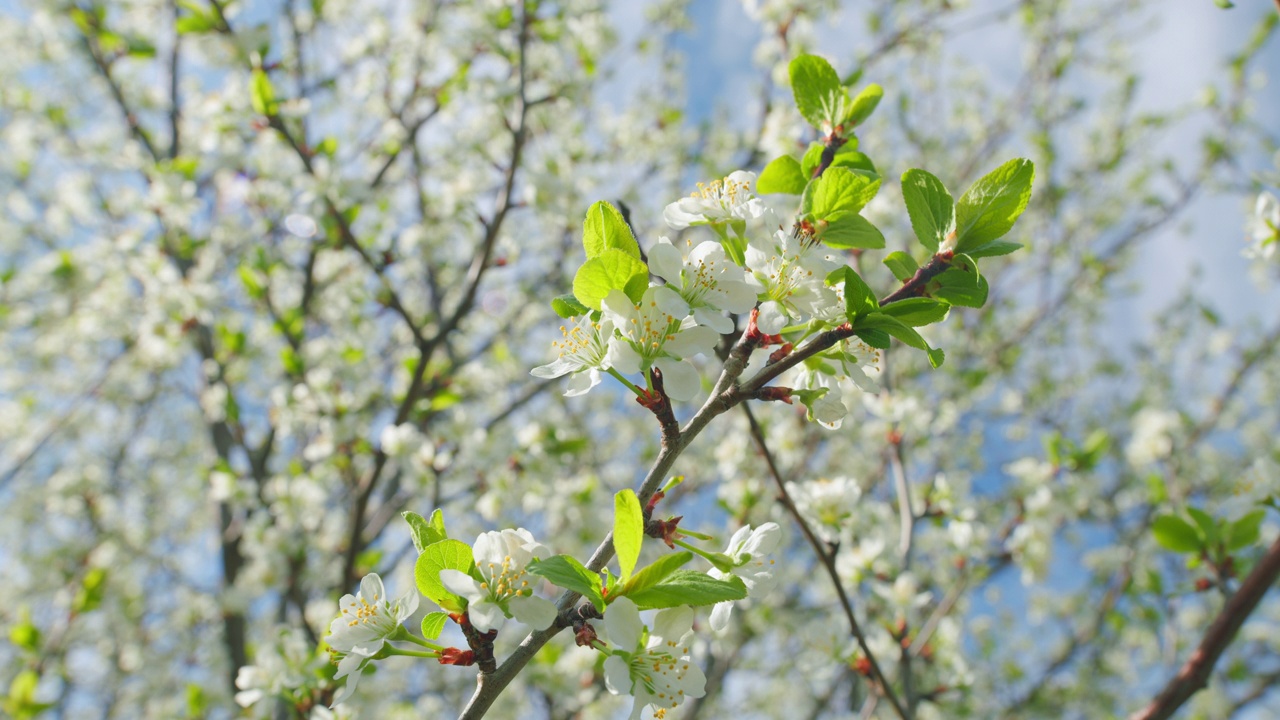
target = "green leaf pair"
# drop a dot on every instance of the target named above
(437, 552)
(613, 261)
(832, 203)
(1204, 534)
(823, 100)
(985, 213)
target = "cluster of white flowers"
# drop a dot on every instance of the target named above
(651, 664)
(501, 559)
(782, 271)
(366, 621)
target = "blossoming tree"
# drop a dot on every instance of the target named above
(361, 360)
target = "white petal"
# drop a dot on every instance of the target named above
(486, 615)
(668, 300)
(736, 296)
(460, 583)
(695, 683)
(617, 675)
(406, 606)
(623, 357)
(720, 615)
(582, 382)
(710, 317)
(765, 539)
(671, 624)
(622, 620)
(772, 318)
(618, 305)
(680, 379)
(665, 261)
(554, 369)
(697, 340)
(536, 612)
(371, 589)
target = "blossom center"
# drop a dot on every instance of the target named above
(506, 580)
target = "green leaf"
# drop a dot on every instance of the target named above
(932, 211)
(422, 532)
(432, 624)
(902, 265)
(878, 339)
(993, 249)
(988, 209)
(817, 90)
(444, 555)
(689, 587)
(783, 175)
(900, 330)
(628, 530)
(847, 156)
(961, 284)
(1176, 534)
(841, 192)
(1244, 532)
(917, 311)
(859, 300)
(263, 95)
(864, 103)
(612, 269)
(567, 306)
(656, 572)
(605, 228)
(1207, 525)
(851, 231)
(566, 572)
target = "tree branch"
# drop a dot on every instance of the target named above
(1194, 675)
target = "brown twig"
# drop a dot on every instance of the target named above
(1194, 674)
(827, 559)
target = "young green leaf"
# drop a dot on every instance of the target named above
(612, 269)
(1176, 534)
(961, 284)
(432, 624)
(863, 105)
(847, 156)
(689, 587)
(1244, 532)
(628, 530)
(1207, 526)
(988, 209)
(783, 175)
(859, 300)
(902, 265)
(444, 555)
(605, 228)
(993, 249)
(567, 306)
(656, 572)
(841, 192)
(263, 96)
(817, 90)
(851, 231)
(930, 207)
(424, 533)
(917, 311)
(566, 572)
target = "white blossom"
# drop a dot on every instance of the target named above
(657, 672)
(1152, 438)
(658, 332)
(501, 558)
(746, 551)
(705, 279)
(582, 353)
(730, 199)
(789, 276)
(366, 621)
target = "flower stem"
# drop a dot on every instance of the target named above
(412, 653)
(631, 386)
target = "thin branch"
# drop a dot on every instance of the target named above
(827, 559)
(1194, 675)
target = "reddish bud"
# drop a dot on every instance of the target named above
(772, 394)
(1203, 584)
(862, 666)
(754, 334)
(780, 353)
(455, 656)
(584, 635)
(653, 501)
